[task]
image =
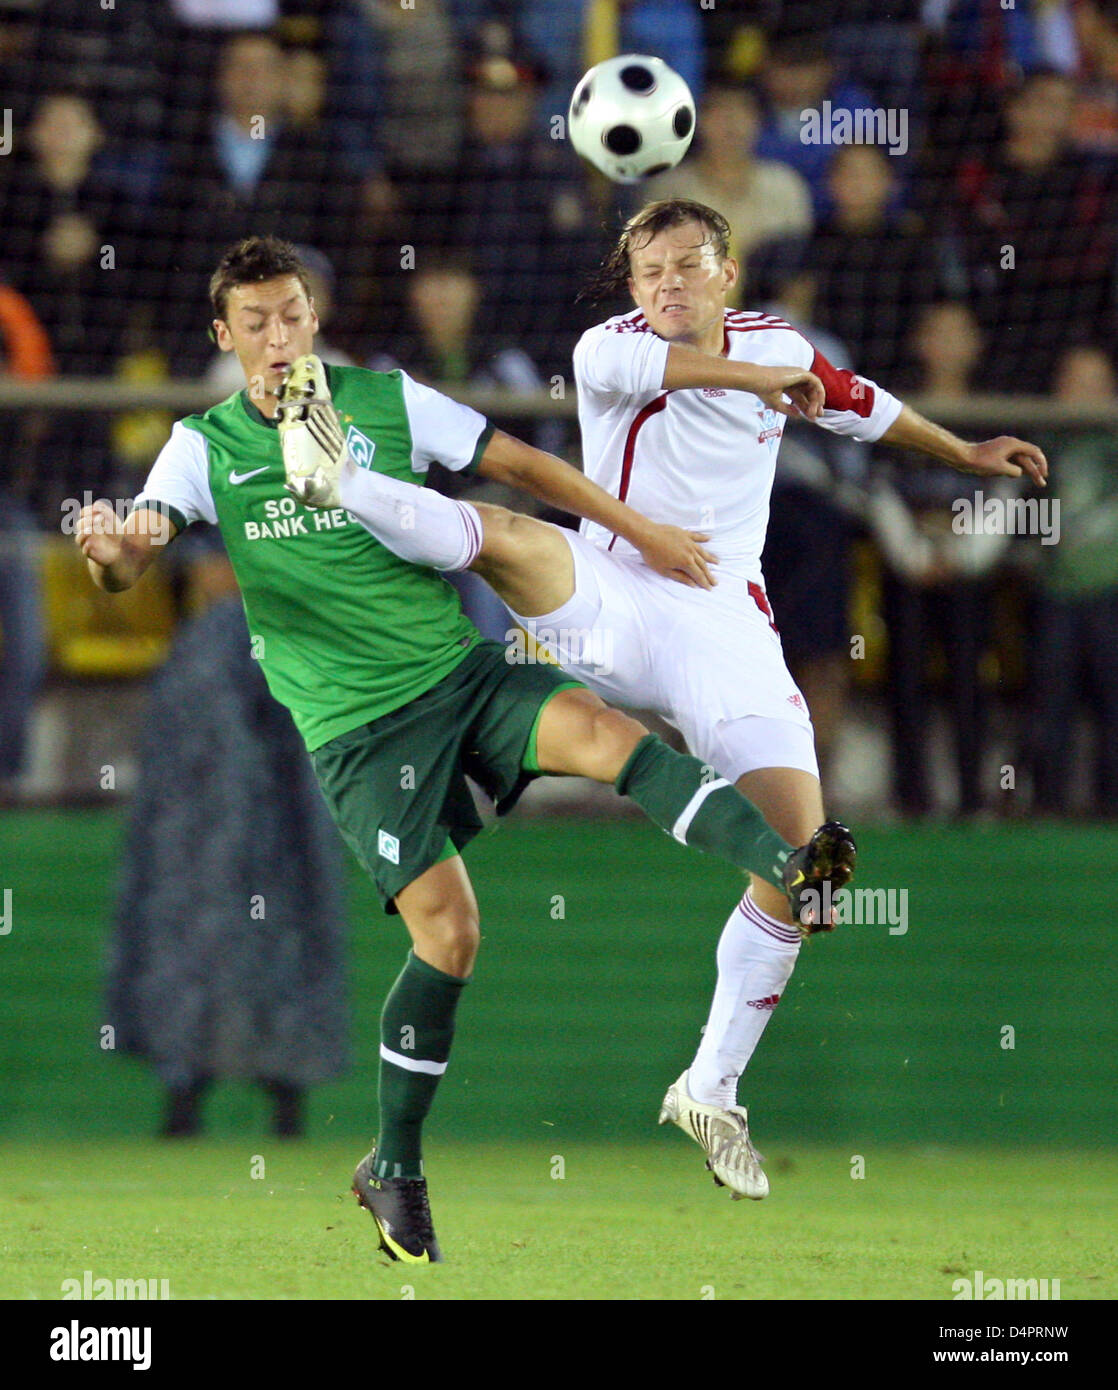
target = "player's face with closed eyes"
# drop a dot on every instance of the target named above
(680, 283)
(268, 325)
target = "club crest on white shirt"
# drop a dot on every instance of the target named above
(771, 426)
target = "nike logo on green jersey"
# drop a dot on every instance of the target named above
(235, 477)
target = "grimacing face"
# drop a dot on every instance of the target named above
(268, 325)
(680, 283)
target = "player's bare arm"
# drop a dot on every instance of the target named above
(790, 390)
(117, 553)
(669, 550)
(1003, 457)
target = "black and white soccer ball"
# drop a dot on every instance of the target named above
(632, 117)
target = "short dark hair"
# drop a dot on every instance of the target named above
(251, 261)
(653, 219)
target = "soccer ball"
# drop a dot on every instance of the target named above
(632, 117)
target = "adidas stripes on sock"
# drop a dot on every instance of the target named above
(756, 956)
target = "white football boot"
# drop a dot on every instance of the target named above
(314, 448)
(723, 1135)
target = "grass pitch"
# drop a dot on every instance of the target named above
(624, 1221)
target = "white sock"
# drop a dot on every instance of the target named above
(416, 523)
(756, 956)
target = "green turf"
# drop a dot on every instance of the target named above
(625, 1221)
(594, 977)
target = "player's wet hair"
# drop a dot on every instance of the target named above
(613, 278)
(251, 261)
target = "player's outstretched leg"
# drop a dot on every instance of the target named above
(527, 562)
(580, 734)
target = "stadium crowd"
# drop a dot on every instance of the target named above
(412, 151)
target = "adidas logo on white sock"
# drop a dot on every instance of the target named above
(768, 1003)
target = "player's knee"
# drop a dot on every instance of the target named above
(512, 542)
(613, 737)
(447, 937)
(501, 537)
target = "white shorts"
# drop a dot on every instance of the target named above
(710, 663)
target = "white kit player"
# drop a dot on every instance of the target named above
(682, 405)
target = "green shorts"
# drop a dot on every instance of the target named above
(396, 787)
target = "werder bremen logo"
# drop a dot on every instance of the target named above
(361, 448)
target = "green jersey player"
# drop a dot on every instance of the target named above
(394, 691)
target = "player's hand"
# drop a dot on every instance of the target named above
(98, 534)
(678, 555)
(1006, 457)
(792, 391)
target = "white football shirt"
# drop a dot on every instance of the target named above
(702, 458)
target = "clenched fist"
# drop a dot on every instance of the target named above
(99, 534)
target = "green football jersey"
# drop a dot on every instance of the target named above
(344, 629)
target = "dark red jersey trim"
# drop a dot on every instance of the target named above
(757, 327)
(761, 599)
(652, 408)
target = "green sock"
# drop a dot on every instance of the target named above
(416, 1031)
(677, 792)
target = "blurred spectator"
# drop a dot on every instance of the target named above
(227, 14)
(880, 51)
(575, 34)
(256, 172)
(421, 125)
(225, 374)
(1038, 224)
(806, 559)
(109, 55)
(24, 345)
(27, 356)
(874, 267)
(937, 582)
(442, 346)
(798, 76)
(760, 198)
(71, 245)
(1095, 121)
(444, 341)
(1075, 640)
(227, 959)
(519, 212)
(70, 240)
